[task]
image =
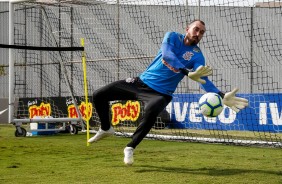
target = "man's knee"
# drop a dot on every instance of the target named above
(97, 96)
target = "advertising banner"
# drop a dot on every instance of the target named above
(54, 107)
(262, 114)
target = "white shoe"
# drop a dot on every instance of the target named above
(102, 134)
(128, 155)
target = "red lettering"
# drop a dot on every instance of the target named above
(72, 113)
(43, 110)
(129, 111)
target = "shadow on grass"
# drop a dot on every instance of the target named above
(203, 171)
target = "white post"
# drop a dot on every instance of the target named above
(11, 62)
(11, 59)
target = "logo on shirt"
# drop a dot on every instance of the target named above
(196, 49)
(188, 55)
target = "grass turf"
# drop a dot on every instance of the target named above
(65, 158)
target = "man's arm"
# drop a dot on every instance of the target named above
(170, 58)
(168, 47)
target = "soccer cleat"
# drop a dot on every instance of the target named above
(102, 134)
(128, 155)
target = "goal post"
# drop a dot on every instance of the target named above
(242, 44)
(11, 61)
(43, 117)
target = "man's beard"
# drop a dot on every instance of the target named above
(194, 40)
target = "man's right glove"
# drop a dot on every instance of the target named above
(202, 71)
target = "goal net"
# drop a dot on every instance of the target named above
(42, 88)
(242, 44)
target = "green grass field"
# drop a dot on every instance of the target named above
(65, 158)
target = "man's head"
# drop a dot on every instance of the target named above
(194, 32)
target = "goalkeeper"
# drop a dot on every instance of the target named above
(178, 57)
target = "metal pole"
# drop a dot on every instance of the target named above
(199, 9)
(11, 62)
(251, 49)
(118, 38)
(187, 14)
(25, 52)
(17, 1)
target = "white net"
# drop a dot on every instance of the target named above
(242, 44)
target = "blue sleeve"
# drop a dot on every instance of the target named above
(209, 86)
(170, 43)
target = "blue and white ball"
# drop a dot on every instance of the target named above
(211, 104)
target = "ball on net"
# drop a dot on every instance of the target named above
(211, 104)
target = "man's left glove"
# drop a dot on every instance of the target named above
(235, 103)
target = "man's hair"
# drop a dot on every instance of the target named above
(195, 20)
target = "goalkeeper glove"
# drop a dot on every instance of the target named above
(235, 103)
(201, 71)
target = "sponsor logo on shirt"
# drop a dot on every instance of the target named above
(196, 49)
(188, 55)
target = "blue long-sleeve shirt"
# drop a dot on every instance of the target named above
(163, 74)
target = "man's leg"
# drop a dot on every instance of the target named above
(120, 90)
(154, 104)
(152, 108)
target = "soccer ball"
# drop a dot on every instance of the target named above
(211, 104)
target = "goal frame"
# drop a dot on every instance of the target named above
(12, 99)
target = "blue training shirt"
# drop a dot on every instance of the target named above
(163, 74)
